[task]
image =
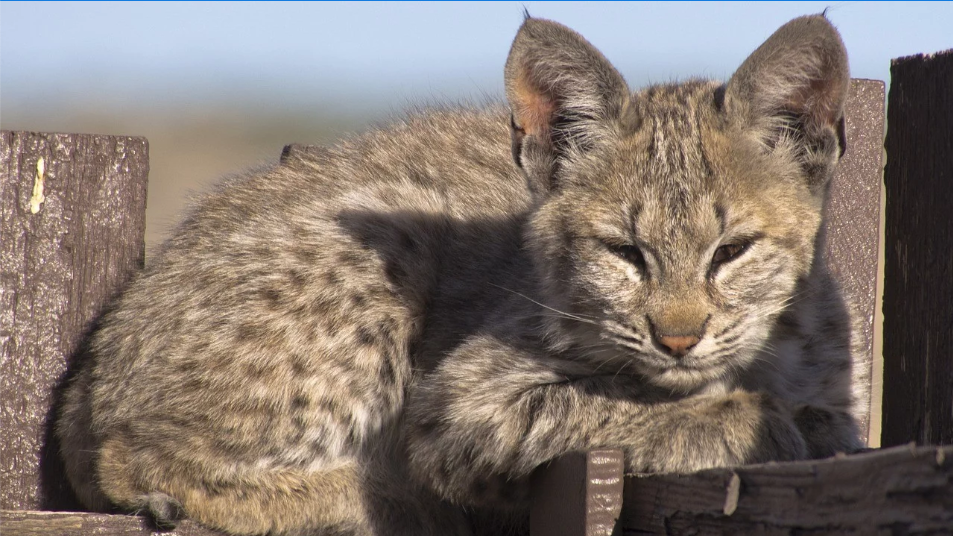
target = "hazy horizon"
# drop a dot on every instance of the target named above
(217, 87)
(378, 57)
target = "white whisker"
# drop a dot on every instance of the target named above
(563, 313)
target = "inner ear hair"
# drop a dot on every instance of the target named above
(533, 107)
(801, 69)
(819, 91)
(564, 95)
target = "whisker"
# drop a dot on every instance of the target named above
(564, 313)
(625, 364)
(564, 316)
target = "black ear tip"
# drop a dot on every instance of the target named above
(537, 26)
(526, 15)
(817, 23)
(821, 20)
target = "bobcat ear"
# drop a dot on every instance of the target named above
(792, 92)
(563, 93)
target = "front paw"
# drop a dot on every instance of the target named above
(827, 431)
(736, 429)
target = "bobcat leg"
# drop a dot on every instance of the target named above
(490, 415)
(274, 502)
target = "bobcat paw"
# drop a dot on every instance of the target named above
(164, 511)
(827, 431)
(735, 429)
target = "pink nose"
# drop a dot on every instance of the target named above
(679, 345)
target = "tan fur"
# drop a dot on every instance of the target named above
(388, 336)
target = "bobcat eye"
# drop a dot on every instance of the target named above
(630, 253)
(728, 252)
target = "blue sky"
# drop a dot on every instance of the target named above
(385, 55)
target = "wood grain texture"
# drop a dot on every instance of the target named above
(63, 252)
(852, 232)
(918, 270)
(578, 494)
(904, 490)
(19, 523)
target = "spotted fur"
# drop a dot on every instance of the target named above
(390, 335)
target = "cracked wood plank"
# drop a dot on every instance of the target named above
(902, 490)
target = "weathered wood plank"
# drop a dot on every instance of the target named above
(578, 494)
(918, 272)
(903, 490)
(852, 232)
(72, 221)
(21, 523)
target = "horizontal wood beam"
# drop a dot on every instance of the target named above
(30, 523)
(902, 490)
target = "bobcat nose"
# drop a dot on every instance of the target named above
(678, 328)
(678, 345)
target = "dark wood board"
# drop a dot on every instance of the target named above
(903, 490)
(918, 269)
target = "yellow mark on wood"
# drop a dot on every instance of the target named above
(38, 197)
(734, 490)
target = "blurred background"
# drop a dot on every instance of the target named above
(218, 87)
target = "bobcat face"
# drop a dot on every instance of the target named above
(673, 225)
(676, 244)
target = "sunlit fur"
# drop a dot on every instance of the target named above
(388, 336)
(677, 180)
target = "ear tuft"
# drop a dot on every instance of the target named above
(533, 105)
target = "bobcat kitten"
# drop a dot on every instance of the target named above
(389, 335)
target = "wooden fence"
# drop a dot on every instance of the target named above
(71, 234)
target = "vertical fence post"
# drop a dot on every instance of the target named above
(579, 494)
(72, 222)
(918, 270)
(851, 236)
